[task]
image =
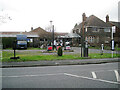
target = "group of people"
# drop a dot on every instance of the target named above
(59, 43)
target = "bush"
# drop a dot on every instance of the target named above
(60, 52)
(8, 42)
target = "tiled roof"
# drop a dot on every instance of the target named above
(39, 29)
(95, 21)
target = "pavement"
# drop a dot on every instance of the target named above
(58, 62)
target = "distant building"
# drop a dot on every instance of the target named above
(36, 37)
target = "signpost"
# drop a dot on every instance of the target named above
(14, 48)
(112, 42)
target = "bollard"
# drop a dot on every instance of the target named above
(86, 49)
(102, 48)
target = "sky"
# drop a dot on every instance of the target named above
(21, 15)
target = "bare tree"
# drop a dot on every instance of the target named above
(4, 18)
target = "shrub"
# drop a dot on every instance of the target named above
(60, 51)
(8, 42)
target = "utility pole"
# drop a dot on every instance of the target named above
(84, 47)
(83, 39)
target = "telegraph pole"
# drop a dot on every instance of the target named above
(84, 47)
(83, 39)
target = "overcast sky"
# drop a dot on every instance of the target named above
(21, 15)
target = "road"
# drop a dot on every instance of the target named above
(77, 50)
(69, 76)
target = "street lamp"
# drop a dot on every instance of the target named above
(52, 29)
(51, 25)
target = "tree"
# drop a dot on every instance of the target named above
(4, 17)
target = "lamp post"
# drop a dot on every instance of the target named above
(53, 35)
(52, 30)
(51, 25)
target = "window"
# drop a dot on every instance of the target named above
(91, 39)
(22, 42)
(94, 29)
(74, 31)
(31, 40)
(77, 31)
(106, 30)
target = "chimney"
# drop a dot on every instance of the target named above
(31, 28)
(107, 19)
(84, 17)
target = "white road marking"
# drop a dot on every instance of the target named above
(117, 75)
(34, 75)
(91, 78)
(94, 75)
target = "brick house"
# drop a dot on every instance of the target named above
(96, 31)
(116, 33)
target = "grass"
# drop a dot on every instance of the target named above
(117, 49)
(94, 47)
(30, 56)
(105, 55)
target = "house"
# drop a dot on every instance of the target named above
(94, 30)
(116, 32)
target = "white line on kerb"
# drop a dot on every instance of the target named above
(94, 75)
(91, 78)
(103, 70)
(117, 75)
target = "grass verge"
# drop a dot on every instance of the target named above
(34, 57)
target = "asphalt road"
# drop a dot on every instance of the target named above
(69, 76)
